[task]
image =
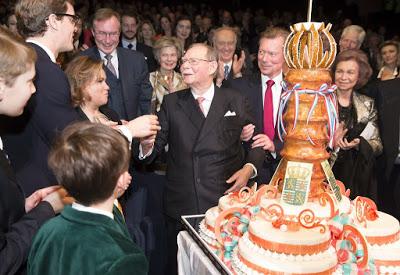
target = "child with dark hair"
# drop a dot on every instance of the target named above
(90, 161)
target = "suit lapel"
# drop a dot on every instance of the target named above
(123, 71)
(255, 85)
(215, 114)
(189, 106)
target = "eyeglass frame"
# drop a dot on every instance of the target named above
(74, 18)
(105, 34)
(193, 61)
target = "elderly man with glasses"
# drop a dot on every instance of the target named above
(205, 158)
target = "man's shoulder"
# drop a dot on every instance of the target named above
(127, 53)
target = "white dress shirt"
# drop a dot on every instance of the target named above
(125, 43)
(80, 207)
(208, 97)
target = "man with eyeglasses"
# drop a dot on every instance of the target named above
(49, 26)
(127, 74)
(264, 90)
(205, 158)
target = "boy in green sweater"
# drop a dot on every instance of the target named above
(90, 161)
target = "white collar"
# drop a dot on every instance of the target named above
(46, 49)
(126, 42)
(80, 207)
(277, 79)
(1, 144)
(208, 95)
(103, 55)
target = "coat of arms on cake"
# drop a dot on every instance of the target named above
(303, 221)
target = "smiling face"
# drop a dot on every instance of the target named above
(147, 31)
(270, 56)
(96, 91)
(168, 58)
(349, 41)
(106, 34)
(346, 75)
(225, 44)
(129, 27)
(389, 54)
(14, 98)
(196, 69)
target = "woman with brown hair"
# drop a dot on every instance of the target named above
(357, 140)
(146, 33)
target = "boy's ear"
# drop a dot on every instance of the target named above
(122, 184)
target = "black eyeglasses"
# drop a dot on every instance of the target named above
(74, 18)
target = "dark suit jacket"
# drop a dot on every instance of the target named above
(134, 76)
(203, 152)
(250, 86)
(388, 102)
(29, 137)
(147, 51)
(16, 227)
(89, 244)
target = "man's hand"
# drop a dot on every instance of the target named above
(33, 200)
(238, 63)
(240, 178)
(247, 132)
(147, 144)
(144, 126)
(263, 141)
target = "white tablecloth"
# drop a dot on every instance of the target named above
(191, 259)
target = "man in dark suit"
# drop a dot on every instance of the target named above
(388, 102)
(50, 31)
(126, 70)
(257, 88)
(202, 127)
(129, 27)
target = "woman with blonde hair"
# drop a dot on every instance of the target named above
(146, 33)
(389, 60)
(165, 80)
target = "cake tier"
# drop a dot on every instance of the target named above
(321, 212)
(251, 258)
(308, 78)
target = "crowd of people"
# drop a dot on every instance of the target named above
(119, 118)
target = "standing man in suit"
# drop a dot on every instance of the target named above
(49, 27)
(126, 70)
(129, 27)
(202, 126)
(264, 91)
(388, 101)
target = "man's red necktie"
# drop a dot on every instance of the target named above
(269, 129)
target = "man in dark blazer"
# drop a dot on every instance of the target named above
(270, 62)
(126, 70)
(50, 110)
(129, 27)
(202, 126)
(388, 102)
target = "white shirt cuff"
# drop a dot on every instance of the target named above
(141, 157)
(254, 170)
(125, 131)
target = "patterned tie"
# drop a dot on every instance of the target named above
(200, 102)
(269, 111)
(226, 71)
(109, 65)
(130, 46)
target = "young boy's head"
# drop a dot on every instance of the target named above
(88, 160)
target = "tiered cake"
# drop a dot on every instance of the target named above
(303, 221)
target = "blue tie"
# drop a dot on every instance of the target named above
(226, 71)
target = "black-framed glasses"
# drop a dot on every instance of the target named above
(73, 17)
(192, 61)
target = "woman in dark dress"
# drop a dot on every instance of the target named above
(20, 217)
(357, 140)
